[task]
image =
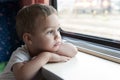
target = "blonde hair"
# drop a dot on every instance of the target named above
(26, 17)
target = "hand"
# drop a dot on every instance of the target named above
(58, 58)
(52, 57)
(67, 49)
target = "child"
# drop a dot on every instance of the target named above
(38, 26)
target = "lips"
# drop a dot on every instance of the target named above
(57, 44)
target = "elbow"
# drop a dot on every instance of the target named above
(76, 51)
(73, 52)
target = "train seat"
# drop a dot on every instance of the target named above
(8, 37)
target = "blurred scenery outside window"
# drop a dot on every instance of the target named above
(92, 17)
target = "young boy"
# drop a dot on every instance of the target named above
(38, 26)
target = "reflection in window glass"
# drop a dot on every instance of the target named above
(93, 17)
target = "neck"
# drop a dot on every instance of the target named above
(33, 52)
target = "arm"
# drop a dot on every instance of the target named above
(67, 49)
(27, 70)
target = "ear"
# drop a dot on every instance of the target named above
(27, 38)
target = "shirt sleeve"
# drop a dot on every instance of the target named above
(20, 55)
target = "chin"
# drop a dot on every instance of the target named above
(54, 49)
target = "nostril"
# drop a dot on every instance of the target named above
(58, 38)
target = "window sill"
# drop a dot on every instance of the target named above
(95, 49)
(82, 67)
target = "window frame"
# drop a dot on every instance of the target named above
(110, 43)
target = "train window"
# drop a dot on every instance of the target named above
(93, 25)
(96, 18)
(92, 17)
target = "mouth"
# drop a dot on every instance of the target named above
(57, 44)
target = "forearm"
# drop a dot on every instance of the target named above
(30, 69)
(67, 49)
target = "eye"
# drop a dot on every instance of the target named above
(50, 32)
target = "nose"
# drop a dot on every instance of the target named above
(57, 36)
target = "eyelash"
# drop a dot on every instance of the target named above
(51, 31)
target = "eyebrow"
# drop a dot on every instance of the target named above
(51, 27)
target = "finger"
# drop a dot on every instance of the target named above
(64, 58)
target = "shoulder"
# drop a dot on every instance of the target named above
(21, 53)
(18, 56)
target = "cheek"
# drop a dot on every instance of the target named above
(46, 45)
(46, 42)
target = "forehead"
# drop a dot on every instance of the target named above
(48, 22)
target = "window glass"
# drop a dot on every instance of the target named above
(92, 17)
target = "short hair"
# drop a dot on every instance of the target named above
(26, 17)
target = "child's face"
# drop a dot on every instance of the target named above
(47, 37)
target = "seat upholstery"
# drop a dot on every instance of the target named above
(8, 37)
